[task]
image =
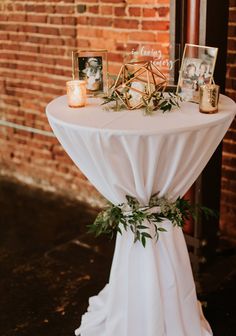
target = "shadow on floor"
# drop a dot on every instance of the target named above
(49, 266)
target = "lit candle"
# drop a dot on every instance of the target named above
(209, 96)
(76, 93)
(136, 91)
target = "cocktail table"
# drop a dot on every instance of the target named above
(151, 291)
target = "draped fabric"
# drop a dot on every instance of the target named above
(151, 291)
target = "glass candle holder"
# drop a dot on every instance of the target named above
(209, 97)
(76, 93)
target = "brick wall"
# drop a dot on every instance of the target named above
(121, 26)
(228, 196)
(36, 40)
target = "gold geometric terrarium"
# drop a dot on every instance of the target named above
(137, 81)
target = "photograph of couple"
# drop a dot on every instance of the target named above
(197, 69)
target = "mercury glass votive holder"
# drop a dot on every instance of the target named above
(209, 97)
(76, 93)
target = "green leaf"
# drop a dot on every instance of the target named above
(147, 235)
(161, 229)
(143, 241)
(119, 230)
(142, 227)
(157, 236)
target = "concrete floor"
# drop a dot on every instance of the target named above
(49, 267)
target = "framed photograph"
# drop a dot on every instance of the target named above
(91, 66)
(197, 69)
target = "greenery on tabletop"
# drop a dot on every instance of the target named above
(132, 215)
(159, 100)
(151, 99)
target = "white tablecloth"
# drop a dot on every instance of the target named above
(151, 291)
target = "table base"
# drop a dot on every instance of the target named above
(151, 292)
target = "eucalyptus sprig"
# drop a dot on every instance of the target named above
(140, 219)
(158, 100)
(163, 101)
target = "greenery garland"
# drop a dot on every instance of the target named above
(131, 215)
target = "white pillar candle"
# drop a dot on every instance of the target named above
(137, 89)
(76, 93)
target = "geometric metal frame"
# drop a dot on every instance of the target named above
(140, 79)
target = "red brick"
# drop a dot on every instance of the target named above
(93, 9)
(6, 55)
(48, 30)
(163, 37)
(36, 8)
(82, 20)
(3, 36)
(111, 1)
(91, 32)
(6, 46)
(37, 18)
(29, 29)
(3, 17)
(229, 161)
(232, 44)
(68, 32)
(65, 9)
(120, 11)
(115, 57)
(229, 198)
(156, 25)
(69, 20)
(232, 14)
(100, 21)
(83, 43)
(163, 11)
(135, 11)
(8, 27)
(143, 36)
(106, 10)
(51, 51)
(121, 46)
(149, 12)
(70, 42)
(16, 17)
(126, 24)
(127, 47)
(231, 30)
(20, 7)
(48, 9)
(141, 2)
(232, 72)
(36, 39)
(56, 20)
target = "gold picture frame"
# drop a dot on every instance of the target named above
(197, 68)
(91, 66)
